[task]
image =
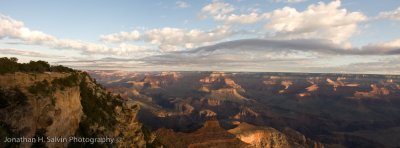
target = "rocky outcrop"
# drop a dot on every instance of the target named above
(214, 102)
(267, 137)
(260, 137)
(207, 113)
(184, 108)
(213, 77)
(226, 94)
(160, 80)
(210, 135)
(339, 83)
(58, 113)
(312, 88)
(374, 93)
(67, 115)
(246, 112)
(174, 75)
(24, 80)
(286, 84)
(65, 105)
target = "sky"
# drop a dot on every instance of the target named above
(316, 36)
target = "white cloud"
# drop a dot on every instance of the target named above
(221, 11)
(390, 47)
(173, 39)
(393, 15)
(16, 29)
(121, 36)
(182, 4)
(18, 52)
(13, 29)
(250, 18)
(288, 1)
(218, 8)
(325, 21)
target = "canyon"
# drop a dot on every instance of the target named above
(201, 109)
(263, 109)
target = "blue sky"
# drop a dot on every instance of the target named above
(357, 36)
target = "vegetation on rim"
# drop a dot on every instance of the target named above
(11, 65)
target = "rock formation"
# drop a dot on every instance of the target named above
(63, 105)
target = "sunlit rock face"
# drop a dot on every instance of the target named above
(65, 105)
(209, 135)
(340, 83)
(286, 84)
(312, 88)
(207, 113)
(374, 93)
(220, 86)
(267, 137)
(246, 112)
(215, 76)
(213, 102)
(58, 114)
(226, 94)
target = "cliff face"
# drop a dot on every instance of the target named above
(27, 112)
(64, 105)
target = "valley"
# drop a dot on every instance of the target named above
(308, 110)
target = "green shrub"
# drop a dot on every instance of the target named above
(3, 99)
(147, 137)
(8, 65)
(96, 108)
(11, 65)
(42, 88)
(12, 96)
(69, 81)
(34, 66)
(18, 96)
(60, 68)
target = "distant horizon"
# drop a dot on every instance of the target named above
(299, 36)
(144, 71)
(272, 72)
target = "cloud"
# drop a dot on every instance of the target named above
(13, 29)
(121, 36)
(297, 55)
(285, 23)
(182, 4)
(294, 55)
(262, 50)
(288, 1)
(388, 66)
(173, 39)
(16, 29)
(305, 45)
(10, 51)
(165, 37)
(221, 11)
(239, 53)
(393, 15)
(324, 21)
(384, 48)
(218, 8)
(250, 18)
